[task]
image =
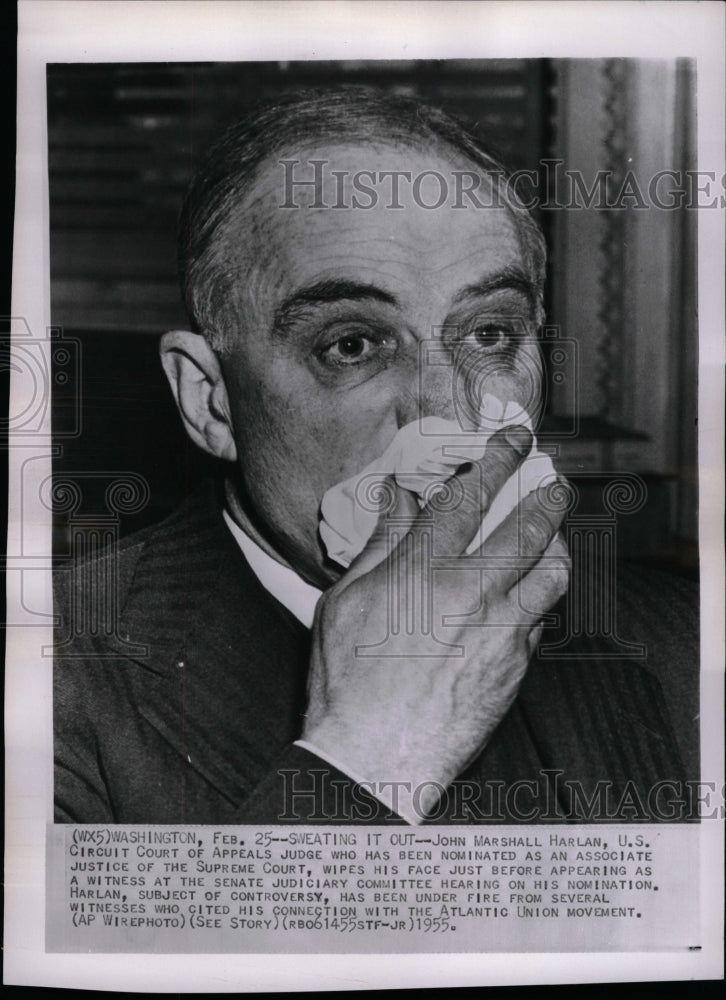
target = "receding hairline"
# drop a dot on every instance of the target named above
(254, 195)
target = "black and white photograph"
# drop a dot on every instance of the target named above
(364, 436)
(366, 361)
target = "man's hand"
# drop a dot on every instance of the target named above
(420, 711)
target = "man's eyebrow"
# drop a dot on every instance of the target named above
(510, 278)
(331, 290)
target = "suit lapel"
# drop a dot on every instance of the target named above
(224, 679)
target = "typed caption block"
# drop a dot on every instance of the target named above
(281, 889)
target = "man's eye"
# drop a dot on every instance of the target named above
(492, 334)
(350, 349)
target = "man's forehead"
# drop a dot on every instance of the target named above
(332, 211)
(395, 172)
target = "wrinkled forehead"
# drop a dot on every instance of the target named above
(369, 206)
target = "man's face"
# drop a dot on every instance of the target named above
(337, 307)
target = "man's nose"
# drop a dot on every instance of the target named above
(429, 390)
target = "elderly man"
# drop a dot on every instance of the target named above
(326, 244)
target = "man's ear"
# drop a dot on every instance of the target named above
(196, 381)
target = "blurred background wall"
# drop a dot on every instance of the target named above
(123, 141)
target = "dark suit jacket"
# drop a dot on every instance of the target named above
(185, 711)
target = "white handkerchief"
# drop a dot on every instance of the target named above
(424, 453)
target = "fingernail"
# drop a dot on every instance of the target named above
(519, 438)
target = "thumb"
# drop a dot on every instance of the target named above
(394, 522)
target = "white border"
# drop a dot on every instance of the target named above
(95, 31)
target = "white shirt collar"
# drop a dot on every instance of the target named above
(282, 582)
